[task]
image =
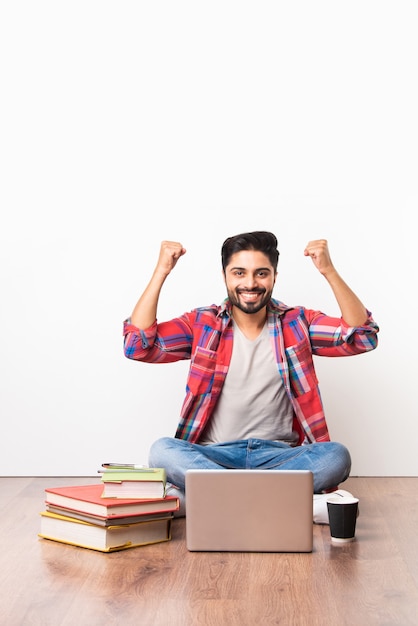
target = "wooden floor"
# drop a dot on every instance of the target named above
(372, 581)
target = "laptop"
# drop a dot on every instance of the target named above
(238, 510)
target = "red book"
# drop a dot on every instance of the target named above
(88, 499)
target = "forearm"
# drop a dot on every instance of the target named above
(353, 311)
(145, 310)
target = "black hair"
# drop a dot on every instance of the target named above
(260, 240)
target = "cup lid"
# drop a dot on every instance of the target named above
(342, 500)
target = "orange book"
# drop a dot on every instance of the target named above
(89, 499)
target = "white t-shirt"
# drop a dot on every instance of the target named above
(253, 402)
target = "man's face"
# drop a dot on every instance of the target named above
(249, 280)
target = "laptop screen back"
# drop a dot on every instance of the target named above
(249, 510)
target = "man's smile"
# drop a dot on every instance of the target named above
(250, 296)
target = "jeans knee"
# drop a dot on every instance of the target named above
(158, 450)
(343, 456)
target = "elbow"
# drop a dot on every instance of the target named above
(133, 347)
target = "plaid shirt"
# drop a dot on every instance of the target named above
(205, 336)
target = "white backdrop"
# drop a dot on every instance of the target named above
(125, 123)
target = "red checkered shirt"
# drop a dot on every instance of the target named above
(205, 336)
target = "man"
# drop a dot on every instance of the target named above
(252, 396)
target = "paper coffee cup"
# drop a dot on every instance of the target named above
(342, 513)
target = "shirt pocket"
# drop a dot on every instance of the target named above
(301, 368)
(202, 371)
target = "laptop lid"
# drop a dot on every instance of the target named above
(249, 510)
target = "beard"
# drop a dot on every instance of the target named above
(249, 307)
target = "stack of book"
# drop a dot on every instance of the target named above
(84, 516)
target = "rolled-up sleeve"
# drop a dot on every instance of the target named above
(166, 342)
(137, 342)
(333, 337)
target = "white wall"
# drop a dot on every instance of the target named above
(125, 123)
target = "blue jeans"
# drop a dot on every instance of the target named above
(330, 462)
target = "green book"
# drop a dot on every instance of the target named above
(145, 474)
(123, 482)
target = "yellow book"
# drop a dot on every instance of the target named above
(104, 538)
